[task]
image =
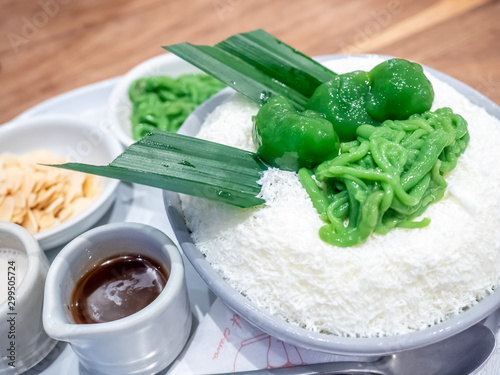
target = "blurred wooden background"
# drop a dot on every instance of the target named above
(48, 47)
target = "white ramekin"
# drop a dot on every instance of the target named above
(142, 343)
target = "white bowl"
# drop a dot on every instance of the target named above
(291, 333)
(79, 141)
(23, 337)
(119, 104)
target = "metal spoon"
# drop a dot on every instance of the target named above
(460, 354)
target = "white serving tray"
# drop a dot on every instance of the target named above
(135, 203)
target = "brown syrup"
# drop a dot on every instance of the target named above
(118, 287)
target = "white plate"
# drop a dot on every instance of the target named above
(78, 141)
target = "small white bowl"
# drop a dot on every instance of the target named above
(119, 104)
(79, 141)
(24, 341)
(142, 343)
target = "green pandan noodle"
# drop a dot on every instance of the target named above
(393, 90)
(387, 177)
(398, 89)
(162, 102)
(343, 102)
(288, 139)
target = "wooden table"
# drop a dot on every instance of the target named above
(48, 47)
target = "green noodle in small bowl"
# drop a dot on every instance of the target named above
(159, 93)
